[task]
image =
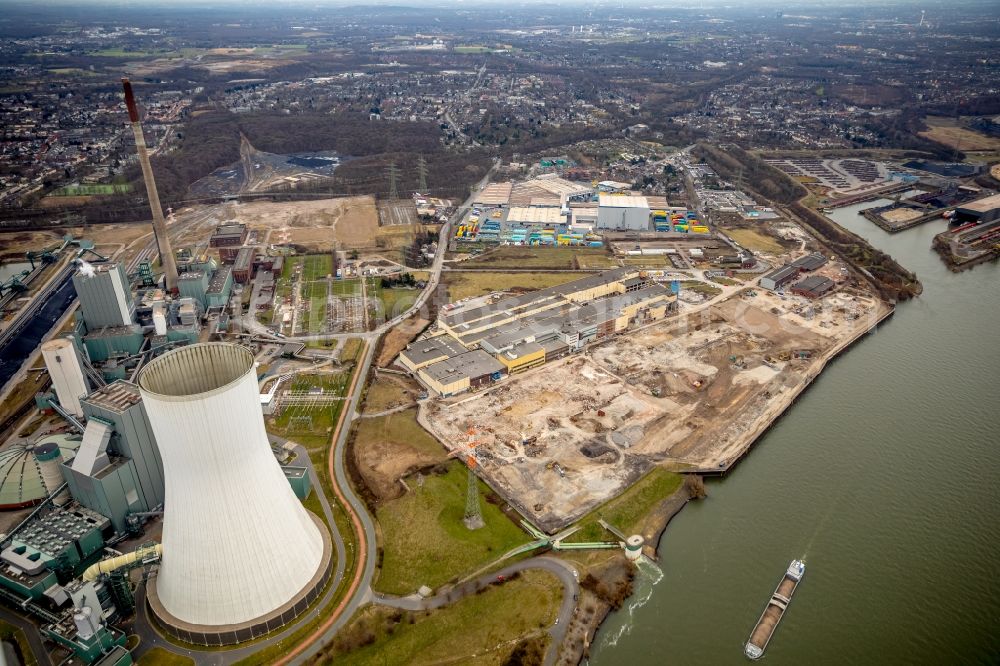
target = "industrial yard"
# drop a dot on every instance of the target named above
(688, 392)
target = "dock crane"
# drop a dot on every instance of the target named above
(14, 283)
(49, 254)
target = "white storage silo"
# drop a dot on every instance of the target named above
(159, 319)
(49, 457)
(64, 368)
(238, 547)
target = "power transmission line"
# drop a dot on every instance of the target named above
(393, 174)
(421, 174)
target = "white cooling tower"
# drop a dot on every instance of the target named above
(239, 551)
(64, 368)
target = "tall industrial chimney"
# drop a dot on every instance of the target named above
(159, 226)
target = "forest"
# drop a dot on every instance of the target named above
(211, 140)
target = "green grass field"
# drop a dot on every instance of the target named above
(350, 350)
(122, 53)
(463, 285)
(392, 301)
(700, 287)
(513, 256)
(85, 190)
(384, 393)
(349, 287)
(402, 427)
(752, 239)
(425, 542)
(316, 266)
(627, 510)
(160, 657)
(457, 633)
(67, 71)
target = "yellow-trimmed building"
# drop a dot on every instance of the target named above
(522, 357)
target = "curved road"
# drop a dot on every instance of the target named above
(563, 570)
(359, 591)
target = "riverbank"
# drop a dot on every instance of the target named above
(656, 521)
(611, 585)
(869, 477)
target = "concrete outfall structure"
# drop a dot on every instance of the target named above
(241, 556)
(159, 226)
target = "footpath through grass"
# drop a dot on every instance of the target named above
(520, 256)
(480, 283)
(628, 509)
(425, 541)
(488, 625)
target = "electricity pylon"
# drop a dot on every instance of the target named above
(422, 174)
(393, 174)
(473, 518)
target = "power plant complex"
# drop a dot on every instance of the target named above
(165, 467)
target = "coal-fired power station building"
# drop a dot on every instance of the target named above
(241, 556)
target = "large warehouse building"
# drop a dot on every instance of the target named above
(481, 345)
(622, 212)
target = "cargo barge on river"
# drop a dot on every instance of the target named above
(774, 610)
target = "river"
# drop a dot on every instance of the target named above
(883, 476)
(21, 346)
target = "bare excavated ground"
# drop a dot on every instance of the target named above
(398, 337)
(687, 392)
(351, 222)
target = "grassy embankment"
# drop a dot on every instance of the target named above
(393, 301)
(388, 392)
(9, 632)
(425, 541)
(160, 657)
(519, 609)
(627, 511)
(700, 287)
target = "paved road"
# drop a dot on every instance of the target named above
(360, 589)
(563, 570)
(30, 632)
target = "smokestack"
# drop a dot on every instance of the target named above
(159, 226)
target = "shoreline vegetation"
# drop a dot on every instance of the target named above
(890, 280)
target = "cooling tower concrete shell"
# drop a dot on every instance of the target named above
(241, 556)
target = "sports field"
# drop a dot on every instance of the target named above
(83, 190)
